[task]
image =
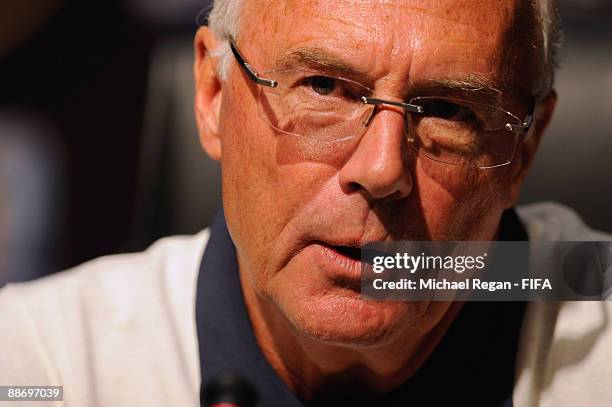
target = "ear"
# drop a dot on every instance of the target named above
(527, 149)
(208, 91)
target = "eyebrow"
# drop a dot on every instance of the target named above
(319, 59)
(475, 84)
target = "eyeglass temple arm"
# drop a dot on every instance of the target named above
(249, 71)
(524, 127)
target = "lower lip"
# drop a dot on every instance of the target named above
(338, 264)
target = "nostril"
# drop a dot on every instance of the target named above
(353, 186)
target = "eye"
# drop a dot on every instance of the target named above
(322, 85)
(446, 110)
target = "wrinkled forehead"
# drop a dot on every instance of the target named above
(386, 15)
(448, 36)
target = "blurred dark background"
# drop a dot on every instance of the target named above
(98, 147)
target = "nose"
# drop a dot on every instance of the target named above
(379, 164)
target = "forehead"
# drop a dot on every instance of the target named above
(406, 38)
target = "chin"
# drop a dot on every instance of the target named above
(346, 319)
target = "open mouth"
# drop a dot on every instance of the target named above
(353, 260)
(353, 253)
(364, 254)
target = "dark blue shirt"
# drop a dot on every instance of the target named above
(474, 364)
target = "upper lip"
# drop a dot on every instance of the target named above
(349, 248)
(358, 243)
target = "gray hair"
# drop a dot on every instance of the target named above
(224, 21)
(552, 42)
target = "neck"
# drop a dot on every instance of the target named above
(316, 370)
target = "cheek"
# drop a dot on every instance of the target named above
(460, 204)
(247, 176)
(262, 193)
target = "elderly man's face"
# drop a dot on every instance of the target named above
(289, 205)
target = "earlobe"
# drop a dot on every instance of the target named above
(208, 92)
(527, 149)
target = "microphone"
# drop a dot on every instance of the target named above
(228, 390)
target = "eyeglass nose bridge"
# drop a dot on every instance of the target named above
(408, 107)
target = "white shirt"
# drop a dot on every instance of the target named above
(121, 331)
